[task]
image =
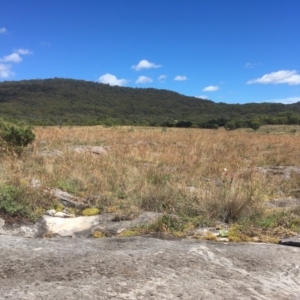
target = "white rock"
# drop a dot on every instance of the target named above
(84, 226)
(98, 150)
(61, 214)
(35, 183)
(90, 149)
(66, 233)
(191, 189)
(68, 227)
(223, 240)
(28, 231)
(50, 212)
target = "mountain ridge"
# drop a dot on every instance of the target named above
(78, 102)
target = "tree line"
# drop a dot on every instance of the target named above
(61, 101)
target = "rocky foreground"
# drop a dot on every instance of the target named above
(56, 258)
(146, 268)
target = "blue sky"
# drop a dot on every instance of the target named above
(232, 51)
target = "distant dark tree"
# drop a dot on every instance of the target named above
(240, 123)
(255, 124)
(230, 125)
(184, 124)
(166, 124)
(294, 119)
(213, 124)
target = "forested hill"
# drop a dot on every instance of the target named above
(68, 102)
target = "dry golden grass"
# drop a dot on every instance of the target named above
(174, 171)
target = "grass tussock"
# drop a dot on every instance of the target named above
(199, 176)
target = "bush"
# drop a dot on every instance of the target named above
(23, 201)
(16, 137)
(184, 124)
(230, 125)
(9, 201)
(255, 124)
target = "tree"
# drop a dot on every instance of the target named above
(255, 124)
(185, 124)
(230, 125)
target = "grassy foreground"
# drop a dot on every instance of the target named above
(195, 177)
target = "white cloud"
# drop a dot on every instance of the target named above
(162, 77)
(143, 79)
(291, 77)
(3, 30)
(14, 58)
(145, 64)
(289, 100)
(23, 51)
(202, 97)
(248, 66)
(180, 78)
(112, 80)
(5, 71)
(45, 44)
(211, 88)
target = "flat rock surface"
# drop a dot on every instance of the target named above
(291, 241)
(146, 268)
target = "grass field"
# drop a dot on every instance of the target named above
(195, 177)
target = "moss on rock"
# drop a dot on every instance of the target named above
(90, 211)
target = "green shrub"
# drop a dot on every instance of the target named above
(23, 201)
(16, 137)
(230, 125)
(9, 203)
(254, 124)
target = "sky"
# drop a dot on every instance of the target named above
(231, 51)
